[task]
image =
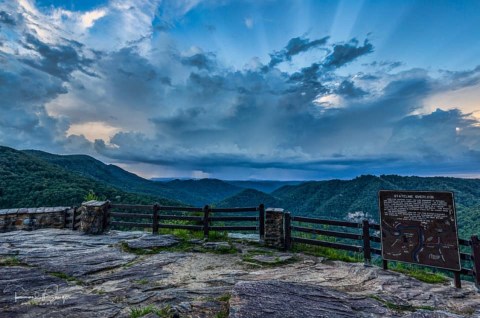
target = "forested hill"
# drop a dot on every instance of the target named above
(27, 181)
(192, 192)
(335, 199)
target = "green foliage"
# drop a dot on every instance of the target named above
(330, 253)
(10, 261)
(27, 181)
(66, 277)
(422, 274)
(90, 196)
(336, 198)
(194, 192)
(250, 198)
(164, 312)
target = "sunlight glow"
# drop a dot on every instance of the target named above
(93, 130)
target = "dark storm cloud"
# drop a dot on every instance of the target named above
(438, 136)
(23, 93)
(59, 61)
(295, 46)
(7, 18)
(346, 53)
(348, 89)
(206, 61)
(386, 65)
(460, 79)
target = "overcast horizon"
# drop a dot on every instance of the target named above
(239, 90)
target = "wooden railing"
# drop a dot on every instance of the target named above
(204, 219)
(364, 238)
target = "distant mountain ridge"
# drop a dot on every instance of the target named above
(335, 199)
(32, 178)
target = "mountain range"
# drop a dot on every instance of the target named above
(36, 178)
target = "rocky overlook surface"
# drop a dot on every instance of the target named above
(62, 273)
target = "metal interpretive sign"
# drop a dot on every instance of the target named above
(419, 227)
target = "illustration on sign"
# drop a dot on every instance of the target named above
(419, 227)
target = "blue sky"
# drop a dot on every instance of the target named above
(246, 89)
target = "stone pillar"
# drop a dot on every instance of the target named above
(274, 228)
(93, 216)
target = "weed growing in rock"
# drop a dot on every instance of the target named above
(421, 274)
(164, 312)
(67, 277)
(141, 281)
(10, 261)
(329, 253)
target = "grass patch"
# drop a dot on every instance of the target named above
(258, 251)
(164, 312)
(67, 277)
(329, 253)
(224, 312)
(222, 250)
(421, 274)
(216, 236)
(397, 307)
(98, 291)
(393, 306)
(224, 298)
(143, 281)
(10, 261)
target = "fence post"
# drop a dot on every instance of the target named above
(476, 259)
(74, 215)
(156, 207)
(65, 214)
(206, 220)
(456, 279)
(367, 255)
(261, 218)
(384, 264)
(288, 230)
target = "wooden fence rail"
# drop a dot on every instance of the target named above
(154, 217)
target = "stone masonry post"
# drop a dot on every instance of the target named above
(93, 216)
(274, 228)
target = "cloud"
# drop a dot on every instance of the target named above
(346, 53)
(294, 47)
(348, 89)
(200, 60)
(249, 23)
(138, 97)
(7, 18)
(88, 19)
(59, 61)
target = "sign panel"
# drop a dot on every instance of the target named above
(419, 227)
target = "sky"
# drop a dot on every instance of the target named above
(277, 90)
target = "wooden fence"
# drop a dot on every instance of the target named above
(204, 219)
(364, 238)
